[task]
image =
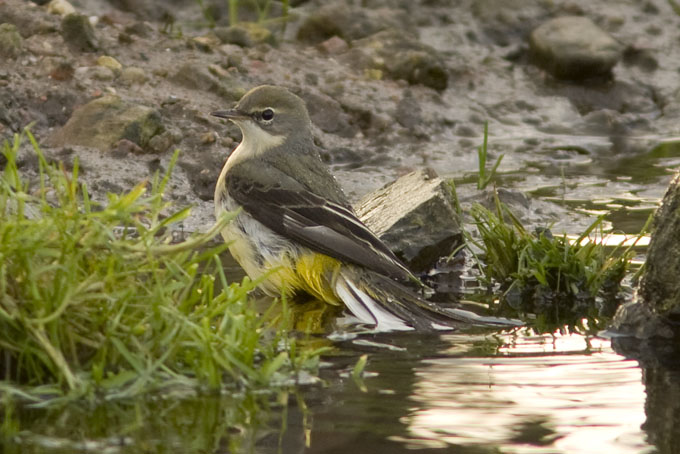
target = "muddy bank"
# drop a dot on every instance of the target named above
(384, 102)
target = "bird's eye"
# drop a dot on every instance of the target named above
(267, 114)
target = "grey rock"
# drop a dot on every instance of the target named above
(660, 286)
(245, 34)
(11, 43)
(192, 76)
(415, 217)
(78, 33)
(573, 47)
(400, 56)
(102, 123)
(163, 141)
(345, 21)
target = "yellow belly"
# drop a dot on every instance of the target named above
(281, 269)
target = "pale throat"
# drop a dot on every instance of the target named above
(255, 142)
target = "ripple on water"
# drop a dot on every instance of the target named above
(538, 396)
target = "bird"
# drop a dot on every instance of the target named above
(295, 229)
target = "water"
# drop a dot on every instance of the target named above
(463, 393)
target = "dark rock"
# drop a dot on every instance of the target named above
(78, 33)
(415, 217)
(400, 57)
(11, 42)
(327, 114)
(637, 319)
(345, 21)
(573, 47)
(245, 34)
(102, 123)
(660, 286)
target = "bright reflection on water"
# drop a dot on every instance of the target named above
(476, 393)
(457, 393)
(538, 396)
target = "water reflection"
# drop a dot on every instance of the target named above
(175, 422)
(538, 396)
(467, 393)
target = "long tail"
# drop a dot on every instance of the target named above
(389, 305)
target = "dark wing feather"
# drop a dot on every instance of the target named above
(289, 209)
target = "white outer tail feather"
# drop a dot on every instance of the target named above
(365, 308)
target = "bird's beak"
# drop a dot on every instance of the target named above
(232, 114)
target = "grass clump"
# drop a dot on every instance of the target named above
(550, 282)
(262, 9)
(95, 298)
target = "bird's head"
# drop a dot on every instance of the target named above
(269, 114)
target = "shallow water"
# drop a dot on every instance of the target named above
(467, 393)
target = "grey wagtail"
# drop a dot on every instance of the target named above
(296, 227)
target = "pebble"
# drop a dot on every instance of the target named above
(109, 62)
(334, 46)
(60, 8)
(133, 75)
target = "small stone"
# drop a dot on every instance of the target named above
(101, 73)
(125, 146)
(205, 43)
(245, 34)
(60, 8)
(78, 33)
(109, 62)
(162, 142)
(573, 47)
(334, 46)
(414, 216)
(208, 138)
(102, 123)
(133, 75)
(11, 42)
